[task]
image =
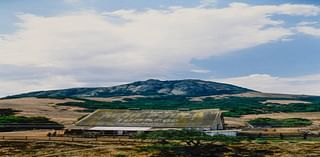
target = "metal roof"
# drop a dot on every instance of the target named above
(152, 118)
(120, 128)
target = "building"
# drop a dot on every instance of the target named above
(223, 132)
(123, 122)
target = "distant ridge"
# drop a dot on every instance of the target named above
(152, 87)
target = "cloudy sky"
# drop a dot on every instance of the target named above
(270, 46)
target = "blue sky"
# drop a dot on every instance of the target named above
(271, 46)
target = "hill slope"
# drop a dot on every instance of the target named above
(146, 88)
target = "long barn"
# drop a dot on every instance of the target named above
(119, 121)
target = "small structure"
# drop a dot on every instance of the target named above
(223, 132)
(124, 122)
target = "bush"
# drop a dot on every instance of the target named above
(7, 112)
(290, 122)
(22, 119)
(188, 135)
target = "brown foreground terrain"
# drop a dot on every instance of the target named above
(123, 149)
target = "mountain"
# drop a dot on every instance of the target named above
(150, 87)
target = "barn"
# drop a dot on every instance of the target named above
(123, 122)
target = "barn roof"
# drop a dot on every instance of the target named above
(152, 118)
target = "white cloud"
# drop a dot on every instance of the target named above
(306, 23)
(309, 84)
(127, 44)
(201, 71)
(10, 87)
(309, 30)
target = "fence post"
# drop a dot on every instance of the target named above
(72, 139)
(3, 137)
(26, 138)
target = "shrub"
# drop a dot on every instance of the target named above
(190, 136)
(290, 122)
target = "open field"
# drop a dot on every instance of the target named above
(313, 116)
(285, 102)
(45, 107)
(249, 95)
(235, 122)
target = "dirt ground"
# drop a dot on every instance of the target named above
(45, 107)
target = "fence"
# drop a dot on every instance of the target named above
(278, 135)
(74, 139)
(122, 139)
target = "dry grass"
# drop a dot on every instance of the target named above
(117, 98)
(247, 95)
(313, 116)
(101, 149)
(67, 149)
(26, 133)
(234, 122)
(279, 149)
(36, 101)
(285, 102)
(45, 107)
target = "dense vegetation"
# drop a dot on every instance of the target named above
(191, 137)
(290, 122)
(7, 112)
(9, 119)
(235, 106)
(186, 143)
(9, 122)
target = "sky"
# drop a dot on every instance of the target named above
(266, 45)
